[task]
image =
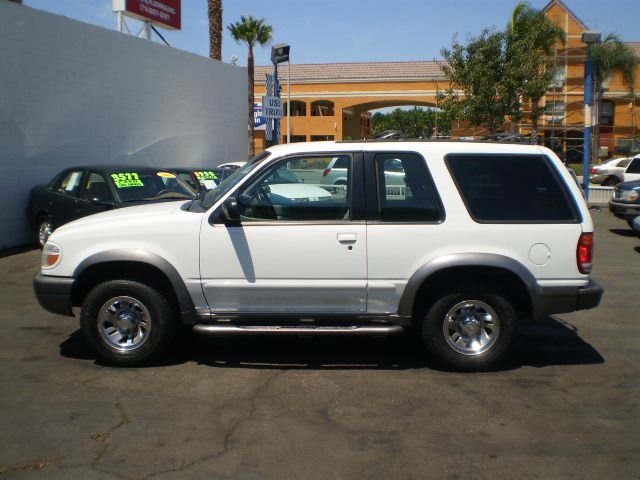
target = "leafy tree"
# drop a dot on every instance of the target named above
(214, 9)
(478, 88)
(251, 31)
(610, 57)
(414, 123)
(530, 37)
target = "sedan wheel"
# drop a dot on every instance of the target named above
(44, 231)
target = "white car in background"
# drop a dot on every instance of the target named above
(233, 166)
(336, 172)
(609, 173)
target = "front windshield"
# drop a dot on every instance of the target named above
(132, 186)
(231, 181)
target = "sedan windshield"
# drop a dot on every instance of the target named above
(139, 186)
(228, 183)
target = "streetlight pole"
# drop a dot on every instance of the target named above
(590, 38)
(280, 54)
(289, 100)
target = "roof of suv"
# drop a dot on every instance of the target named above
(408, 145)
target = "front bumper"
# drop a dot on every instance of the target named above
(568, 299)
(626, 211)
(54, 293)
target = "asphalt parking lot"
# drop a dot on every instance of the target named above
(566, 406)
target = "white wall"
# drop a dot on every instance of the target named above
(76, 94)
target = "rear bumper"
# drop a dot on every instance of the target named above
(54, 293)
(568, 299)
(626, 211)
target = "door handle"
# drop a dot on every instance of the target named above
(347, 238)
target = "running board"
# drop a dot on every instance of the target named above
(366, 330)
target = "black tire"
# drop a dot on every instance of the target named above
(44, 229)
(452, 357)
(147, 312)
(610, 182)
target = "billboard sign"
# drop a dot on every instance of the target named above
(272, 107)
(259, 122)
(166, 13)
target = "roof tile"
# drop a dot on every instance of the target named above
(419, 71)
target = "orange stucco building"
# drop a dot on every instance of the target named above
(332, 101)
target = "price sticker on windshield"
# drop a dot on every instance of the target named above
(127, 179)
(206, 175)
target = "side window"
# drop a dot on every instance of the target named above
(511, 188)
(69, 183)
(96, 189)
(405, 190)
(294, 189)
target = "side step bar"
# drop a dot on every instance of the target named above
(217, 329)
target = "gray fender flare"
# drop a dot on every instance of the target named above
(405, 307)
(185, 302)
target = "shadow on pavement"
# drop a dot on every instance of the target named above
(15, 251)
(624, 232)
(637, 249)
(539, 344)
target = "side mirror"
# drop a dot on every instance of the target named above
(228, 213)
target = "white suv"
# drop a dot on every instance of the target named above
(479, 235)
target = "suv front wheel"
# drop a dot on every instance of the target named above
(469, 330)
(127, 322)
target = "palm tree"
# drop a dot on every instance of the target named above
(251, 31)
(531, 36)
(215, 29)
(610, 57)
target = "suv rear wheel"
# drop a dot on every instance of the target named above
(127, 322)
(469, 330)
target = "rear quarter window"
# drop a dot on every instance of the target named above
(512, 188)
(634, 166)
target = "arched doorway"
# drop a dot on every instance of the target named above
(356, 119)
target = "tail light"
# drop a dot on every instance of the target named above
(326, 172)
(584, 252)
(594, 170)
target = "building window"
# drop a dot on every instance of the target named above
(322, 108)
(554, 111)
(296, 138)
(627, 146)
(298, 108)
(559, 77)
(321, 138)
(607, 113)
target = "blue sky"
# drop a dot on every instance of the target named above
(321, 31)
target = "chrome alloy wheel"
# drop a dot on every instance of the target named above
(124, 323)
(44, 231)
(471, 327)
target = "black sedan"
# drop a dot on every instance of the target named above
(202, 179)
(80, 191)
(625, 203)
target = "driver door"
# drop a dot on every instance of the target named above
(297, 248)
